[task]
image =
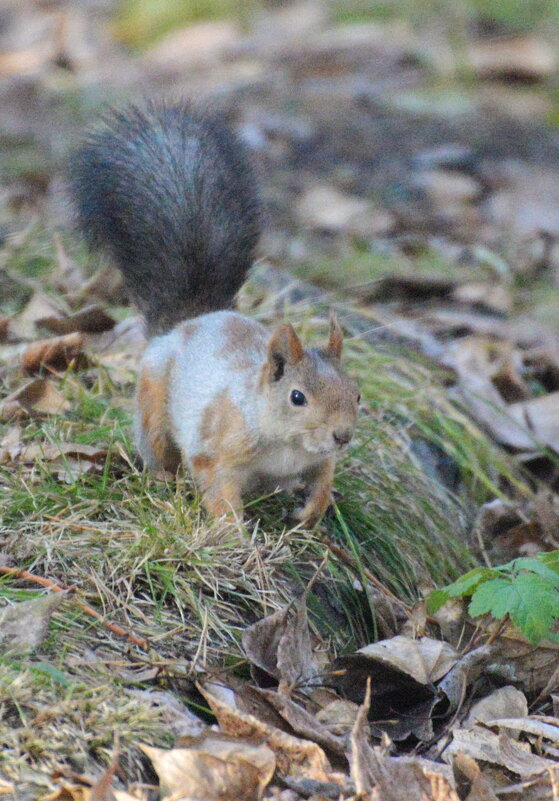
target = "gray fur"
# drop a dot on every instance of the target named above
(168, 193)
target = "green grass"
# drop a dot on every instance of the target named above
(141, 550)
(512, 15)
(140, 22)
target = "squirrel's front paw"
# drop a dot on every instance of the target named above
(311, 512)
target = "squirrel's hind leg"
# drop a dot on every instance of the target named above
(154, 441)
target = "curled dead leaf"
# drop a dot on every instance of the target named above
(91, 320)
(36, 398)
(217, 768)
(293, 755)
(57, 353)
(280, 644)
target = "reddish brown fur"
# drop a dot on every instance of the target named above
(240, 335)
(336, 339)
(320, 486)
(152, 400)
(188, 330)
(223, 433)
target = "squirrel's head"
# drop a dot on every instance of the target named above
(310, 398)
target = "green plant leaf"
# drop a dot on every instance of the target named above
(436, 599)
(531, 602)
(536, 565)
(468, 583)
(550, 560)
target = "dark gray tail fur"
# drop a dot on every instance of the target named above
(168, 193)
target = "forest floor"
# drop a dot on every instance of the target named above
(412, 185)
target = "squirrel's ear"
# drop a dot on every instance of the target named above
(336, 339)
(284, 348)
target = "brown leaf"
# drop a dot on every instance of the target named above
(402, 671)
(530, 725)
(68, 792)
(504, 702)
(426, 660)
(479, 787)
(91, 320)
(50, 451)
(523, 57)
(10, 445)
(463, 674)
(304, 723)
(57, 353)
(280, 644)
(36, 398)
(539, 416)
(485, 369)
(218, 768)
(482, 745)
(338, 716)
(385, 778)
(293, 755)
(22, 325)
(23, 626)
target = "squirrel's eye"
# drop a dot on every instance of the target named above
(359, 399)
(297, 398)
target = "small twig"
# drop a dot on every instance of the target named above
(89, 610)
(346, 557)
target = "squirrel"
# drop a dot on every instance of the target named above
(168, 193)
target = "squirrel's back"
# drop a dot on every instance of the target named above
(167, 192)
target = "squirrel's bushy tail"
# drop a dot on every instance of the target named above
(168, 193)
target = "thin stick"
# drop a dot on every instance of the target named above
(346, 557)
(45, 582)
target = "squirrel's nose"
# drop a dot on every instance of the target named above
(342, 437)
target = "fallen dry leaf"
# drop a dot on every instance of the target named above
(57, 353)
(23, 325)
(529, 725)
(504, 702)
(403, 672)
(539, 416)
(463, 674)
(485, 369)
(384, 778)
(338, 716)
(426, 660)
(91, 320)
(280, 645)
(293, 755)
(23, 626)
(68, 792)
(479, 787)
(36, 398)
(483, 745)
(217, 768)
(304, 723)
(525, 57)
(11, 445)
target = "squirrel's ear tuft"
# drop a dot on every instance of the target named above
(336, 338)
(284, 348)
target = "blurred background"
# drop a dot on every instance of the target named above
(404, 146)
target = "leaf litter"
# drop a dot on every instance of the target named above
(407, 714)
